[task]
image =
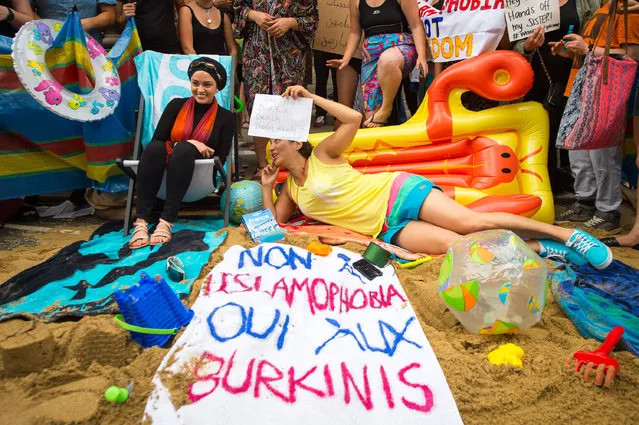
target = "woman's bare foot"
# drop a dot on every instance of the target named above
(629, 240)
(378, 119)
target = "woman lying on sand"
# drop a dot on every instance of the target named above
(399, 208)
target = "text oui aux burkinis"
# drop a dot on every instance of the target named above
(262, 378)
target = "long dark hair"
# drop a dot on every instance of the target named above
(306, 150)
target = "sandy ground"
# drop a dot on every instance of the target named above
(57, 373)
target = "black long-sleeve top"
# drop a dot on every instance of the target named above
(221, 137)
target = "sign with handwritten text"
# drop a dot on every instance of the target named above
(277, 117)
(333, 27)
(522, 16)
(462, 29)
(282, 336)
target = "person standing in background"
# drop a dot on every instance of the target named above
(322, 71)
(598, 171)
(347, 82)
(95, 15)
(155, 20)
(551, 77)
(395, 41)
(205, 30)
(278, 38)
(631, 240)
(14, 14)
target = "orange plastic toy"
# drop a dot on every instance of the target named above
(319, 248)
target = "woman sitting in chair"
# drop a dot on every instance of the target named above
(189, 129)
(403, 209)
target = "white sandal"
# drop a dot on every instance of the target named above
(162, 232)
(142, 230)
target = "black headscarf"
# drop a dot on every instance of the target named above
(211, 67)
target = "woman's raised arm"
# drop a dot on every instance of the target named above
(332, 147)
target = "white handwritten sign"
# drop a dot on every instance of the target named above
(462, 28)
(522, 16)
(282, 336)
(277, 117)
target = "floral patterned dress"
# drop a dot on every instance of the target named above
(272, 64)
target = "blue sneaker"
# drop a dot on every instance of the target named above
(554, 250)
(591, 249)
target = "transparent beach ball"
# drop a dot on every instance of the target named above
(494, 283)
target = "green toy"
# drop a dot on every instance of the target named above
(116, 394)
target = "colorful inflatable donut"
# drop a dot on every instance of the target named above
(28, 52)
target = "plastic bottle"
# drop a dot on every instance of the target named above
(570, 30)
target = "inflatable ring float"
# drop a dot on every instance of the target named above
(28, 52)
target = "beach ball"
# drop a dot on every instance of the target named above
(246, 197)
(494, 283)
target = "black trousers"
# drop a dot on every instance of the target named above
(179, 172)
(558, 168)
(410, 95)
(321, 77)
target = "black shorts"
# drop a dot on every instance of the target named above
(356, 64)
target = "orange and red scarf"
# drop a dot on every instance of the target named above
(183, 126)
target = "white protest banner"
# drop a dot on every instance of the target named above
(283, 336)
(463, 28)
(277, 117)
(522, 16)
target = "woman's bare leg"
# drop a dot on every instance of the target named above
(574, 246)
(347, 80)
(389, 74)
(632, 238)
(419, 236)
(413, 238)
(245, 115)
(440, 210)
(260, 152)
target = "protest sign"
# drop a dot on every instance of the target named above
(463, 28)
(522, 16)
(277, 117)
(283, 336)
(333, 27)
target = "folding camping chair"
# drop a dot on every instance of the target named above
(205, 175)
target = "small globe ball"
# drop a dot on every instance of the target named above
(245, 198)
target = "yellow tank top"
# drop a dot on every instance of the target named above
(338, 194)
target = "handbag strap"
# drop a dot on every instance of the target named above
(610, 20)
(625, 23)
(543, 65)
